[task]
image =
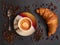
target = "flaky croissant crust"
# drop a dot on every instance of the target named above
(51, 19)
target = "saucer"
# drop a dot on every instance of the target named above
(18, 31)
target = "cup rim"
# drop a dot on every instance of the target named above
(20, 21)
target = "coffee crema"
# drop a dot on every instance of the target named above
(25, 24)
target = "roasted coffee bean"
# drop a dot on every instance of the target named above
(37, 35)
(55, 7)
(8, 36)
(47, 38)
(57, 37)
(52, 38)
(52, 9)
(5, 24)
(42, 38)
(43, 4)
(46, 4)
(40, 5)
(51, 4)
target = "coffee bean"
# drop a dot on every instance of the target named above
(57, 37)
(42, 38)
(52, 9)
(46, 4)
(35, 5)
(55, 7)
(51, 4)
(47, 38)
(5, 24)
(42, 4)
(52, 38)
(38, 21)
(37, 35)
(21, 38)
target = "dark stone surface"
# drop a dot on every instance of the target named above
(27, 40)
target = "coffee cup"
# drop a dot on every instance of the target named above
(24, 24)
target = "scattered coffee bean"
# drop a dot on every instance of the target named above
(15, 35)
(52, 9)
(46, 4)
(43, 4)
(57, 37)
(8, 36)
(47, 38)
(21, 38)
(40, 5)
(41, 30)
(52, 38)
(16, 8)
(5, 24)
(42, 38)
(3, 5)
(36, 5)
(33, 5)
(55, 7)
(51, 4)
(39, 25)
(32, 38)
(37, 35)
(38, 21)
(27, 8)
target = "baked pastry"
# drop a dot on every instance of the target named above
(51, 19)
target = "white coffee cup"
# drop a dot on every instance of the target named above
(24, 24)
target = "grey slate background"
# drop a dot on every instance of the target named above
(27, 40)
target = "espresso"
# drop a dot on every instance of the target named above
(25, 24)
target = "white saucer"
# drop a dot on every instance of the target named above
(18, 31)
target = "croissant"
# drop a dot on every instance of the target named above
(51, 19)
